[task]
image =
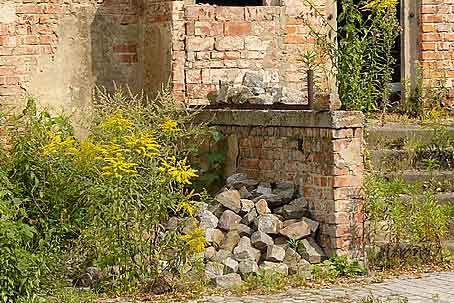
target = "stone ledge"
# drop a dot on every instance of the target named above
(283, 118)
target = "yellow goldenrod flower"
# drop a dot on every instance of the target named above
(178, 169)
(186, 207)
(57, 144)
(379, 5)
(116, 121)
(195, 241)
(169, 125)
(144, 144)
(117, 166)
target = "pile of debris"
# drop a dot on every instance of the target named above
(257, 225)
(255, 91)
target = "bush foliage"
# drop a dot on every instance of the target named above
(68, 203)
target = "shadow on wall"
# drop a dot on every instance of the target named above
(131, 44)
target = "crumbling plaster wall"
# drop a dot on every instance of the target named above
(59, 50)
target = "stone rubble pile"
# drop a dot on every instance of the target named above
(255, 91)
(250, 227)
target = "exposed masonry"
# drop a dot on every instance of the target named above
(321, 152)
(60, 49)
(436, 42)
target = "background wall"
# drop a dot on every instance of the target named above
(59, 50)
(436, 42)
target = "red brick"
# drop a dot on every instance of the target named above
(45, 40)
(230, 13)
(431, 55)
(237, 28)
(348, 181)
(431, 18)
(425, 46)
(429, 37)
(29, 9)
(12, 80)
(128, 58)
(205, 28)
(298, 39)
(7, 71)
(427, 28)
(125, 48)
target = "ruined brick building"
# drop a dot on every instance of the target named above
(58, 50)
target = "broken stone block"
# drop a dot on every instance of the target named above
(261, 240)
(213, 270)
(274, 268)
(242, 229)
(310, 251)
(281, 241)
(217, 209)
(214, 235)
(296, 264)
(244, 250)
(269, 224)
(244, 193)
(246, 206)
(207, 219)
(230, 199)
(228, 281)
(296, 209)
(262, 207)
(236, 177)
(209, 253)
(221, 255)
(250, 184)
(272, 200)
(231, 240)
(312, 224)
(249, 217)
(230, 265)
(248, 266)
(296, 231)
(275, 253)
(284, 190)
(254, 80)
(264, 188)
(228, 220)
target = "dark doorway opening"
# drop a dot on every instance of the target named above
(396, 53)
(231, 2)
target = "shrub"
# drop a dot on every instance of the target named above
(20, 267)
(104, 200)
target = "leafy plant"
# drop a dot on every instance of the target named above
(339, 266)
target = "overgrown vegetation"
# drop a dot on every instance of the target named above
(70, 204)
(404, 231)
(361, 52)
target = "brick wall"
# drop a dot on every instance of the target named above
(436, 42)
(322, 152)
(213, 43)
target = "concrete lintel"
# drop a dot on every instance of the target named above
(286, 118)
